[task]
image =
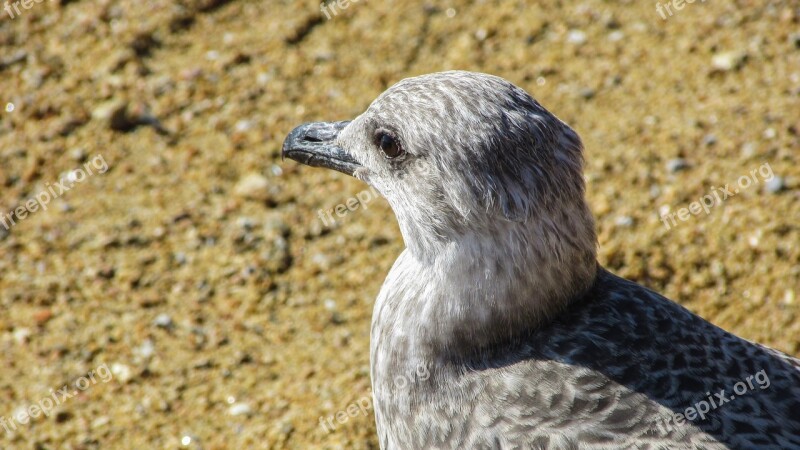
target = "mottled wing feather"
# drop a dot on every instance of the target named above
(601, 377)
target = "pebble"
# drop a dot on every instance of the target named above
(18, 57)
(253, 186)
(263, 78)
(180, 258)
(100, 421)
(146, 350)
(794, 39)
(163, 321)
(624, 221)
(63, 416)
(122, 372)
(78, 154)
(246, 223)
(240, 409)
(43, 316)
(677, 164)
(727, 61)
(116, 115)
(775, 185)
(616, 35)
(244, 125)
(748, 149)
(190, 74)
(22, 335)
(321, 260)
(577, 37)
(587, 93)
(655, 191)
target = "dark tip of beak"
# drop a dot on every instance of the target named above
(313, 144)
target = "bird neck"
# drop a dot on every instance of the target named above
(483, 289)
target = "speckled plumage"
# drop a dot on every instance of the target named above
(528, 343)
(600, 375)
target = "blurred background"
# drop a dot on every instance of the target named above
(195, 268)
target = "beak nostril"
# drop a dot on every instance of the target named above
(314, 144)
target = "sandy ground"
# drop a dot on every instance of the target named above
(186, 292)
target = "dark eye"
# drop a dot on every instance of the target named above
(389, 145)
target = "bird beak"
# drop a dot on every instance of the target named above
(313, 144)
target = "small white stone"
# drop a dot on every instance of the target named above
(655, 191)
(121, 372)
(100, 421)
(624, 221)
(788, 297)
(577, 37)
(244, 125)
(252, 186)
(163, 321)
(775, 185)
(78, 154)
(616, 35)
(728, 61)
(22, 335)
(748, 149)
(240, 409)
(146, 350)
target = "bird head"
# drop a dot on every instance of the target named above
(456, 153)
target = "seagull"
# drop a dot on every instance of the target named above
(525, 340)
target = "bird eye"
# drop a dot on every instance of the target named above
(389, 145)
